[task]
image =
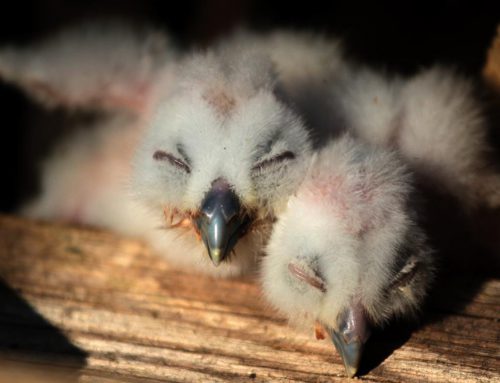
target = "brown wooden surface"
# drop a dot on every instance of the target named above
(93, 307)
(491, 72)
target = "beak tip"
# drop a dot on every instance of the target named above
(215, 256)
(351, 371)
(350, 353)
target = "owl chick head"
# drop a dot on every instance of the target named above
(222, 151)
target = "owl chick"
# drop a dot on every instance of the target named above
(196, 152)
(232, 122)
(221, 154)
(348, 251)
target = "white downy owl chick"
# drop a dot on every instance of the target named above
(348, 251)
(231, 124)
(221, 155)
(196, 153)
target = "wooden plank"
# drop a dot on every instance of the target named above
(491, 71)
(95, 307)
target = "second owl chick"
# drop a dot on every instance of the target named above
(348, 251)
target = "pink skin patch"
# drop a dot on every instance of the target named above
(220, 101)
(135, 99)
(335, 195)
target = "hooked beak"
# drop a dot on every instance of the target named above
(351, 330)
(350, 337)
(222, 220)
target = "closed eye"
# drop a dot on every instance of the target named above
(285, 156)
(160, 155)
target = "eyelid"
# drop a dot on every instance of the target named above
(288, 155)
(160, 155)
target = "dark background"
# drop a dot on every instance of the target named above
(400, 36)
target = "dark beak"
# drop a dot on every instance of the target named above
(350, 337)
(222, 220)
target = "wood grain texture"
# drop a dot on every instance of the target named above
(93, 307)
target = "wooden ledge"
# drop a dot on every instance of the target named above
(93, 307)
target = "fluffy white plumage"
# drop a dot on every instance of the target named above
(243, 117)
(349, 234)
(224, 120)
(433, 118)
(222, 113)
(348, 252)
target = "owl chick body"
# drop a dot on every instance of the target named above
(348, 251)
(434, 119)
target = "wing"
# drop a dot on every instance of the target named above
(106, 65)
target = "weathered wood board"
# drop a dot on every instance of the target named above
(491, 71)
(85, 305)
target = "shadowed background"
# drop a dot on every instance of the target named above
(394, 35)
